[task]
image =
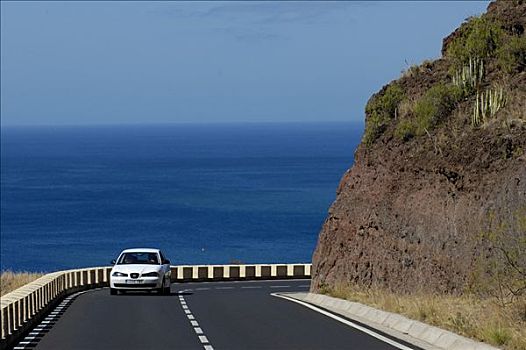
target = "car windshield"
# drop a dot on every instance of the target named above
(139, 258)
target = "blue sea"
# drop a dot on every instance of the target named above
(205, 194)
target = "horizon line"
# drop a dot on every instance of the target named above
(112, 124)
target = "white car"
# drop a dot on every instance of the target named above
(140, 269)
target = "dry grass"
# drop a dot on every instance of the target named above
(487, 320)
(9, 281)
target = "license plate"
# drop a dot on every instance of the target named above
(134, 281)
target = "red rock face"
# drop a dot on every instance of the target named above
(404, 226)
(409, 215)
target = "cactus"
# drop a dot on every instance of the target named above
(469, 77)
(487, 104)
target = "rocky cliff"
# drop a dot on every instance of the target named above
(436, 197)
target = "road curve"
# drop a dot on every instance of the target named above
(215, 315)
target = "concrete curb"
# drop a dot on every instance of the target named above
(417, 333)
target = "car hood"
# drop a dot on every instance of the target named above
(136, 268)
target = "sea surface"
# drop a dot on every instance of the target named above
(214, 193)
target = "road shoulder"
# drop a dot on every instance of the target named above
(399, 327)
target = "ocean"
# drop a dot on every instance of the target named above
(205, 194)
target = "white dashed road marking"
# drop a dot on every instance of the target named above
(197, 329)
(32, 339)
(203, 339)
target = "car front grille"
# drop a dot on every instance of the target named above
(134, 275)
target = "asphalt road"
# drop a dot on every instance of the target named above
(218, 315)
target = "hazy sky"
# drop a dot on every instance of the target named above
(98, 62)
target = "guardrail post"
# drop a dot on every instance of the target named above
(242, 271)
(290, 270)
(180, 272)
(210, 272)
(307, 269)
(17, 315)
(25, 314)
(33, 303)
(273, 271)
(107, 275)
(195, 272)
(258, 270)
(10, 319)
(226, 272)
(5, 323)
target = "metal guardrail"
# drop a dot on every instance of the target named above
(26, 306)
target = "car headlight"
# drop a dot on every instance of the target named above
(119, 274)
(150, 274)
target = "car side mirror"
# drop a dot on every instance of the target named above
(113, 262)
(166, 261)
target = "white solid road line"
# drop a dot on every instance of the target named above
(347, 322)
(251, 287)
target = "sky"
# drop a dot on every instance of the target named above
(98, 62)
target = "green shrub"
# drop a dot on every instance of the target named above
(498, 335)
(380, 109)
(406, 129)
(512, 55)
(415, 69)
(436, 104)
(479, 38)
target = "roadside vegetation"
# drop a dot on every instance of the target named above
(483, 319)
(9, 280)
